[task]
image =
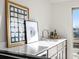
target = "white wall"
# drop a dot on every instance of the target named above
(40, 10)
(62, 21)
(2, 23)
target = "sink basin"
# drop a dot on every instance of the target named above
(45, 43)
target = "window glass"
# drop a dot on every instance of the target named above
(76, 22)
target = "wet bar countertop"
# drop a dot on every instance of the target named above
(36, 47)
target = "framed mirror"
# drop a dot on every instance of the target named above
(16, 15)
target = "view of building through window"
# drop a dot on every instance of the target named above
(76, 22)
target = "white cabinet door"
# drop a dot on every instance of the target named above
(60, 54)
(60, 46)
(55, 57)
(52, 51)
(58, 51)
(64, 53)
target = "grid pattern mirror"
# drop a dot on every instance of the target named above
(16, 15)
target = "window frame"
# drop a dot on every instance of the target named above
(73, 26)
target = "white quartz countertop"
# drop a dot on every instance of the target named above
(36, 47)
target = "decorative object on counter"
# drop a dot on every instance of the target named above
(15, 15)
(45, 33)
(31, 31)
(51, 35)
(54, 35)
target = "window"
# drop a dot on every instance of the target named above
(75, 22)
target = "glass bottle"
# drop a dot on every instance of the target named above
(55, 34)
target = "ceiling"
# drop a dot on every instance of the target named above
(58, 1)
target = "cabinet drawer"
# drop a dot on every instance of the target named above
(60, 54)
(64, 43)
(55, 57)
(52, 51)
(60, 46)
